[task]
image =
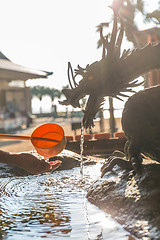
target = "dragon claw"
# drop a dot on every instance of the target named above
(137, 166)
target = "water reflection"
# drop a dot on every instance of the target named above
(53, 206)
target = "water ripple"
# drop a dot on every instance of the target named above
(53, 206)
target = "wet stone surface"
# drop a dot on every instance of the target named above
(70, 160)
(54, 205)
(133, 200)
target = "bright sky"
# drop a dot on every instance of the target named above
(46, 34)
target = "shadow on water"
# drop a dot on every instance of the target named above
(53, 206)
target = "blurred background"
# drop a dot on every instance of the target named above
(39, 37)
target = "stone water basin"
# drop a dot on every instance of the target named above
(53, 205)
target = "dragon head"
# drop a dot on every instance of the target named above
(112, 76)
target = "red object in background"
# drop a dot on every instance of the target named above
(119, 135)
(100, 136)
(69, 138)
(86, 137)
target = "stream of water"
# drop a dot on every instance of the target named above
(81, 150)
(53, 206)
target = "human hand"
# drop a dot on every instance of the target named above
(33, 165)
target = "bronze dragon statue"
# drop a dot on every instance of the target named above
(113, 76)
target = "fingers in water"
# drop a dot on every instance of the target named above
(55, 164)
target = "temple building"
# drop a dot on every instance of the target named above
(15, 97)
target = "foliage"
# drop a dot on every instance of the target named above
(128, 11)
(40, 91)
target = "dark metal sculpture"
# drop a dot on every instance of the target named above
(112, 76)
(141, 124)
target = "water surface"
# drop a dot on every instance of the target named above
(53, 206)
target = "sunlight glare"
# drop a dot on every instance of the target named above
(45, 35)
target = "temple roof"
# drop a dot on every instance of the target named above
(11, 71)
